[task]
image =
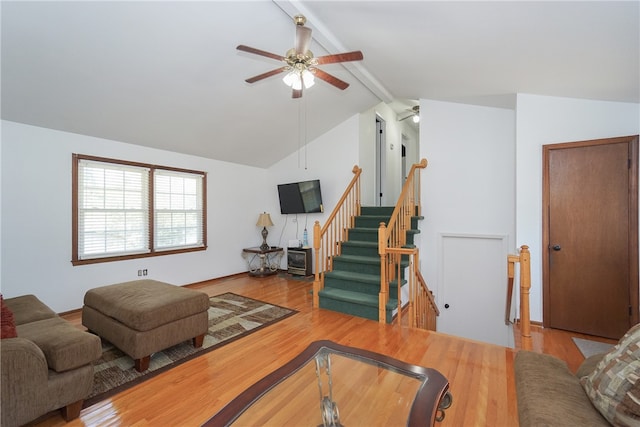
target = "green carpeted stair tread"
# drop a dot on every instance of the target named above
(356, 298)
(362, 259)
(353, 276)
(360, 243)
(377, 210)
(363, 282)
(375, 230)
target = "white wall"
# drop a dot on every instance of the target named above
(467, 190)
(367, 157)
(545, 120)
(36, 217)
(329, 158)
(393, 154)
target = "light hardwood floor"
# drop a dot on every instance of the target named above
(480, 375)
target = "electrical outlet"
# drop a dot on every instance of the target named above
(139, 273)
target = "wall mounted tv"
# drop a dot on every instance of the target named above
(300, 197)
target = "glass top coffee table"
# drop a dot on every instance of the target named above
(334, 385)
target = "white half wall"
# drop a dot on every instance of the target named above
(467, 189)
(545, 120)
(36, 217)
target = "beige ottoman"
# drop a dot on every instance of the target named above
(146, 316)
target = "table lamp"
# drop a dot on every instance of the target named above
(264, 221)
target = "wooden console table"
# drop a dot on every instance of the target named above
(263, 262)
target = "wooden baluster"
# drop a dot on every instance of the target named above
(383, 296)
(320, 264)
(511, 261)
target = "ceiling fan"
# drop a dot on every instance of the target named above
(301, 66)
(415, 113)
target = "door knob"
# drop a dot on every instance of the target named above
(556, 247)
(446, 306)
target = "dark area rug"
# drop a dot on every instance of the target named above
(231, 317)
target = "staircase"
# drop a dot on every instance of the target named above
(353, 284)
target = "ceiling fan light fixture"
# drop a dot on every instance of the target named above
(290, 78)
(296, 78)
(308, 79)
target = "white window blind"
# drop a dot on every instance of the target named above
(113, 209)
(179, 210)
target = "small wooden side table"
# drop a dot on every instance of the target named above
(263, 262)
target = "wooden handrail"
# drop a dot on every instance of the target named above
(394, 235)
(524, 258)
(409, 194)
(326, 240)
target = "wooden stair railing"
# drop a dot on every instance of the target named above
(524, 258)
(393, 237)
(326, 240)
(421, 306)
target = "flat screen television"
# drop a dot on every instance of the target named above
(300, 197)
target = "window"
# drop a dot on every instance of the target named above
(124, 210)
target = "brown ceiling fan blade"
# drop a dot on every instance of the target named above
(265, 75)
(260, 52)
(296, 93)
(340, 84)
(340, 57)
(303, 39)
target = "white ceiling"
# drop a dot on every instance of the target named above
(167, 74)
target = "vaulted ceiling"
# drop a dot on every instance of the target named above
(168, 75)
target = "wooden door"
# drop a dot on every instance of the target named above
(590, 229)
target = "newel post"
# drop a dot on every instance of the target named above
(383, 296)
(525, 287)
(317, 285)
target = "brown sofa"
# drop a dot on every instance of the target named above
(605, 389)
(49, 365)
(549, 394)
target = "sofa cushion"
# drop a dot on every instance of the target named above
(549, 394)
(614, 386)
(7, 323)
(64, 346)
(28, 308)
